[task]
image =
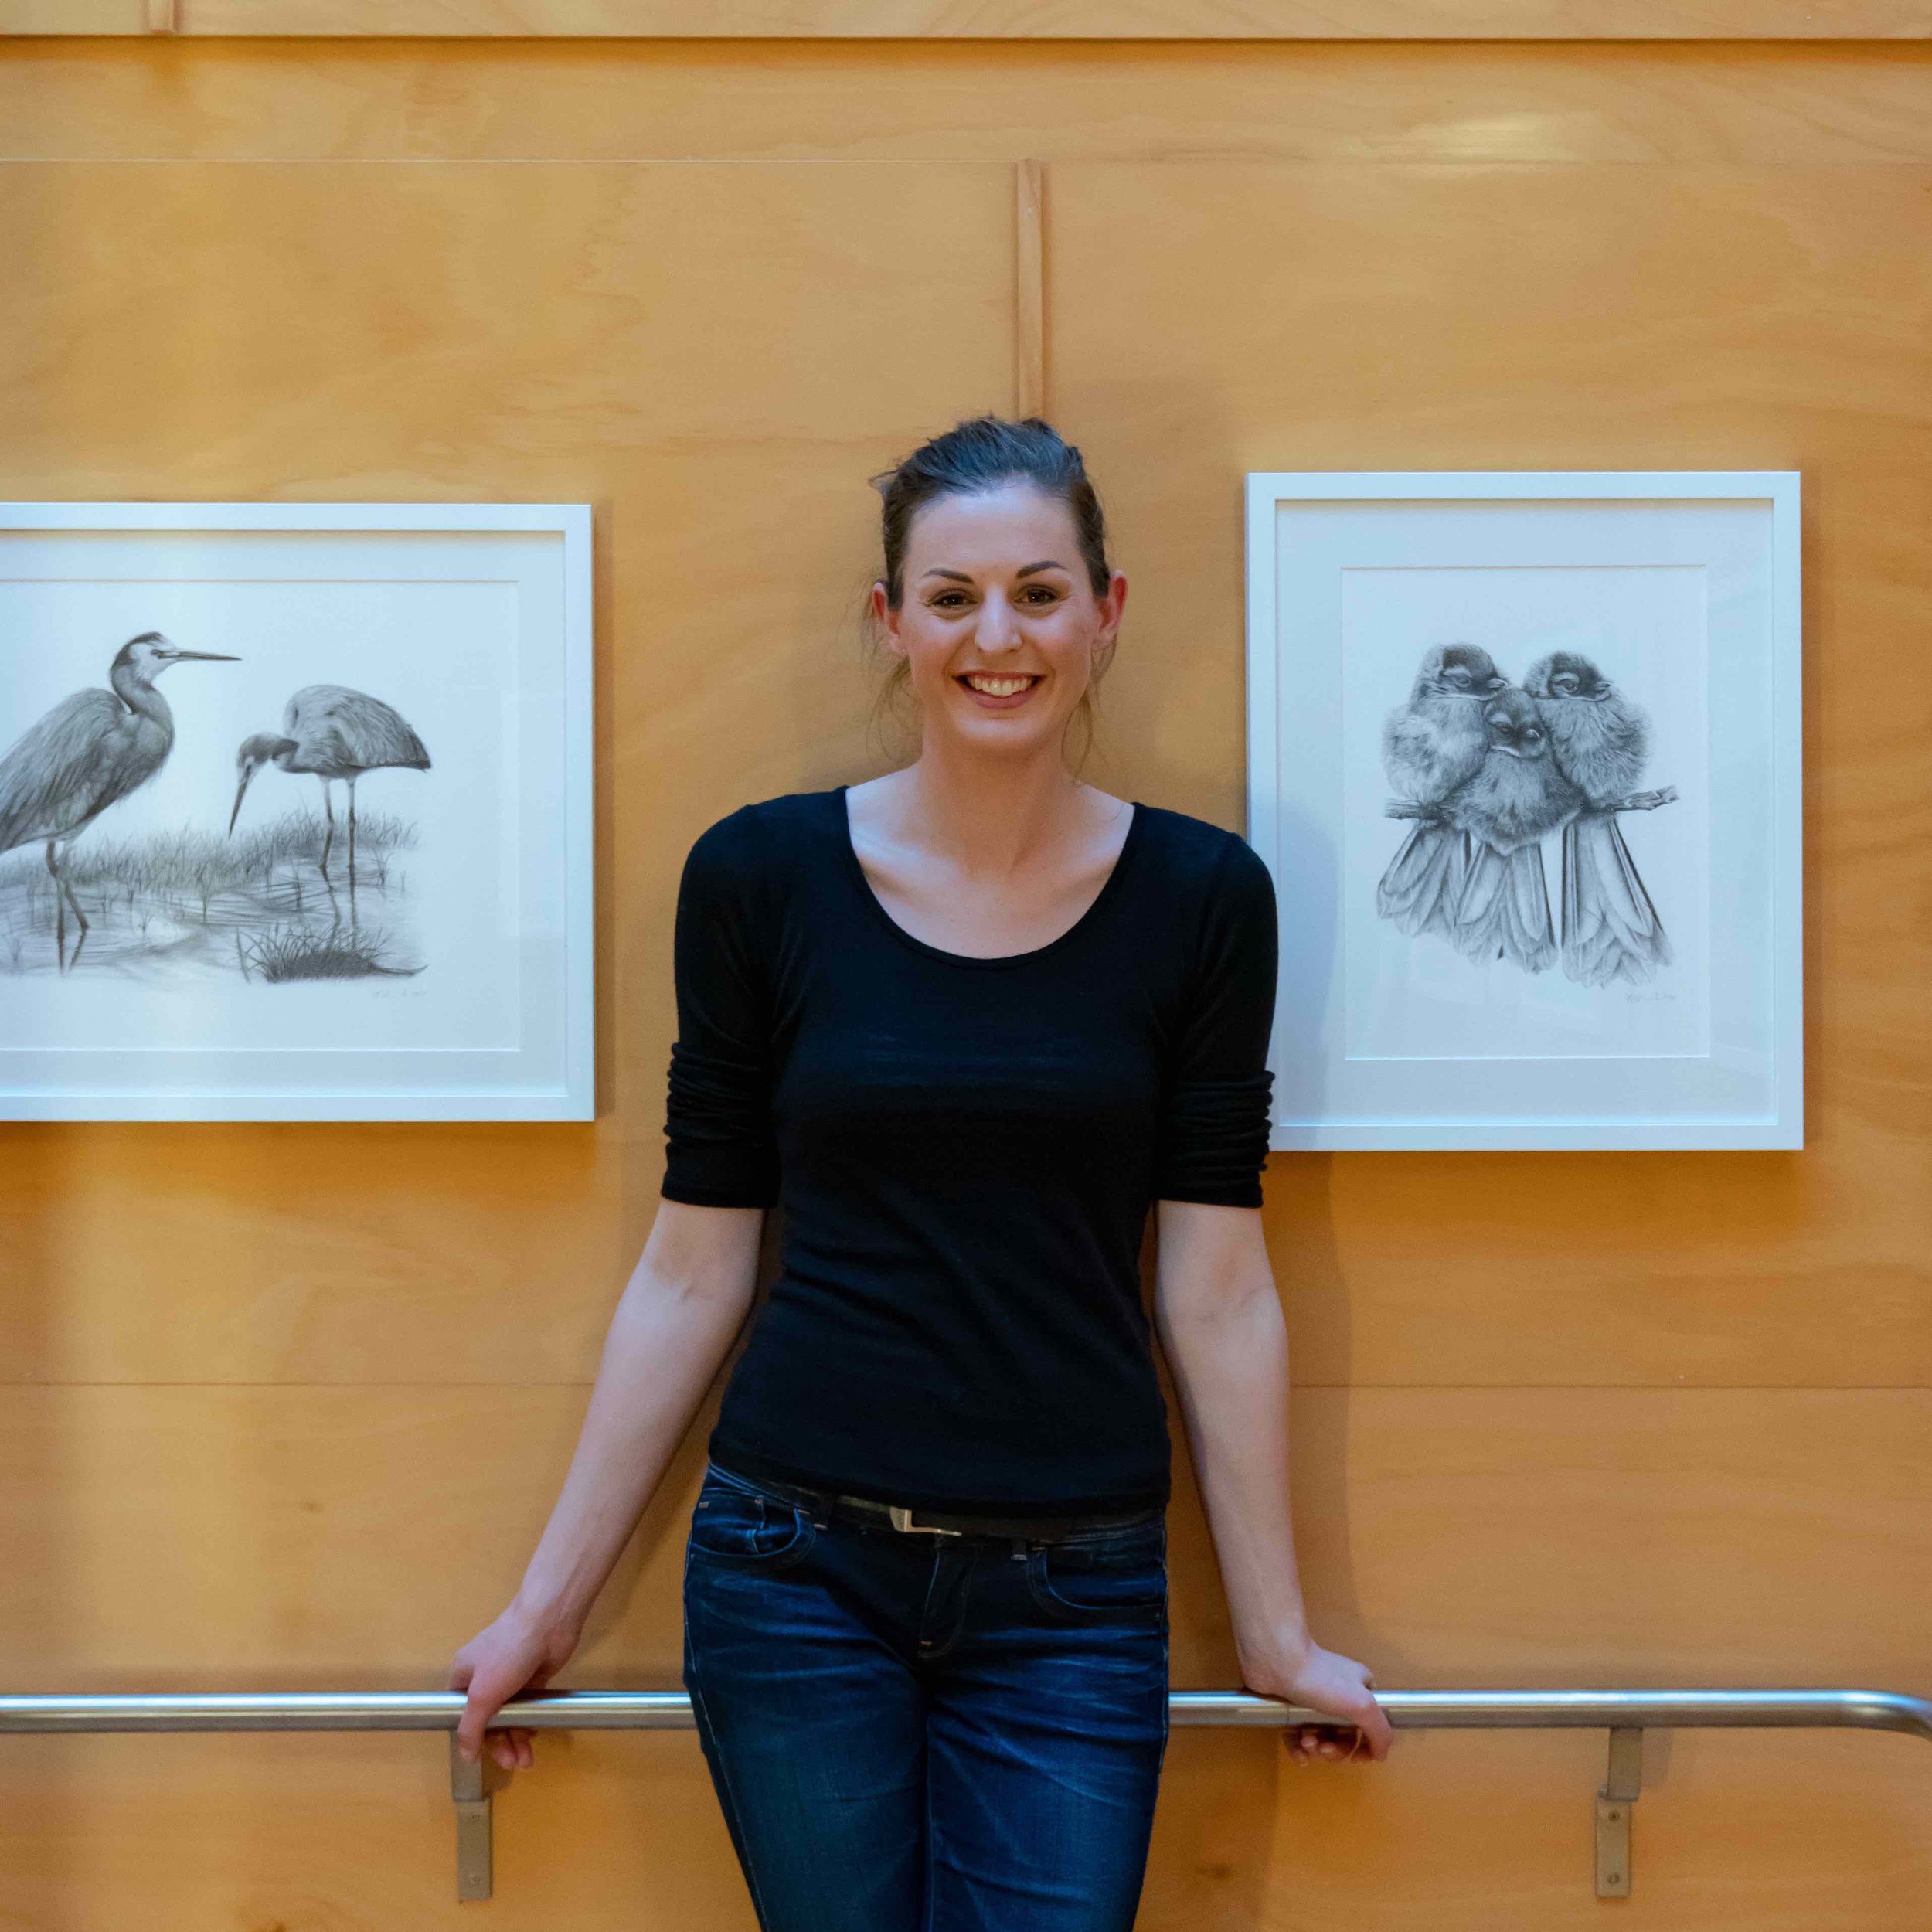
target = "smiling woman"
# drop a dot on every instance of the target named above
(983, 472)
(968, 1023)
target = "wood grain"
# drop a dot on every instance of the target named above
(306, 1538)
(73, 16)
(1102, 19)
(1671, 315)
(327, 1833)
(717, 357)
(264, 100)
(1476, 318)
(1030, 288)
(289, 1403)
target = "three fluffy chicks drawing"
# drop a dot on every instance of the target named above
(1486, 769)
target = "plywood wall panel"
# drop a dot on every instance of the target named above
(1459, 1832)
(1213, 320)
(1056, 19)
(303, 1394)
(317, 1537)
(717, 357)
(73, 16)
(185, 100)
(331, 1253)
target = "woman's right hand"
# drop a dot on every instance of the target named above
(517, 1653)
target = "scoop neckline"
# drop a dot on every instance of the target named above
(856, 872)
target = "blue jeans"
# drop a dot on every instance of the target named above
(919, 1733)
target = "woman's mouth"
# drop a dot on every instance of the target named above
(1001, 689)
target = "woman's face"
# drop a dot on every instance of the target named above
(999, 622)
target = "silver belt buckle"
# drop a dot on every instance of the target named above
(903, 1519)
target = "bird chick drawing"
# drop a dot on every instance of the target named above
(1430, 748)
(88, 752)
(1600, 742)
(1518, 794)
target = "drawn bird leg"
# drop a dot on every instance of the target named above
(329, 835)
(63, 898)
(1611, 929)
(1642, 800)
(1424, 880)
(351, 841)
(1504, 910)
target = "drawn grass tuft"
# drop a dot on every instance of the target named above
(295, 952)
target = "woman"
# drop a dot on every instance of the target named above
(969, 1020)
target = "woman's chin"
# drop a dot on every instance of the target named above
(1005, 734)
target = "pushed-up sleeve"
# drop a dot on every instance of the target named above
(723, 1150)
(1214, 1128)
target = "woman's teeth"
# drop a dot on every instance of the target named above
(998, 687)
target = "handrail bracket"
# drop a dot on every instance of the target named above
(470, 1785)
(1616, 1803)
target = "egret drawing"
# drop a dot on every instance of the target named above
(88, 753)
(331, 732)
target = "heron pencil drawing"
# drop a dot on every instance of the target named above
(331, 732)
(88, 753)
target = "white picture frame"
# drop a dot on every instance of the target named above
(219, 949)
(1421, 1003)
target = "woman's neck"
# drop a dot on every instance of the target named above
(988, 815)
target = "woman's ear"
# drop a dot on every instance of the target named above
(1108, 633)
(887, 619)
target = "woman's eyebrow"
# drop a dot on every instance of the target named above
(960, 577)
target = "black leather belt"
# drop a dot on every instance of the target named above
(1034, 1529)
(936, 1522)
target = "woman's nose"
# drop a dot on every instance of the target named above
(999, 627)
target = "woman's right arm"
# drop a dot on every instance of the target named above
(685, 1303)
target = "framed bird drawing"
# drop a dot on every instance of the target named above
(1524, 758)
(295, 811)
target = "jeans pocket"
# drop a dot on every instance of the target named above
(739, 1525)
(1117, 1577)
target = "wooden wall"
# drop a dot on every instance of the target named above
(285, 1406)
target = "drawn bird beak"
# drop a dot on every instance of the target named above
(239, 789)
(207, 657)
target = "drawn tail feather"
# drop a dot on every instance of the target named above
(1611, 929)
(1424, 880)
(1504, 910)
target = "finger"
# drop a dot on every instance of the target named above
(1377, 1731)
(478, 1710)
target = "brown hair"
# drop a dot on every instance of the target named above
(981, 454)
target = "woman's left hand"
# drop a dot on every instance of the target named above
(1338, 1686)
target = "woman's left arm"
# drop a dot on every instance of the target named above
(1220, 1326)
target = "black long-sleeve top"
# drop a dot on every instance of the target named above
(964, 1151)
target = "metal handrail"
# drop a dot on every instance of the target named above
(670, 1710)
(1626, 1715)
